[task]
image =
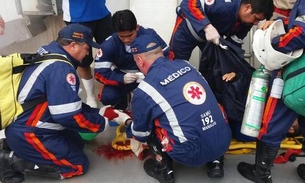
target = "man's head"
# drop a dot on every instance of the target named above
(145, 49)
(125, 25)
(253, 11)
(76, 39)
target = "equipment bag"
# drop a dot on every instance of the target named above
(217, 61)
(294, 85)
(11, 70)
(214, 63)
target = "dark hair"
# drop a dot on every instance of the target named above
(124, 20)
(261, 6)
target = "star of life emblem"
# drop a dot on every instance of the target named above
(99, 53)
(209, 2)
(194, 93)
(71, 79)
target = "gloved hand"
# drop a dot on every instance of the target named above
(140, 76)
(130, 78)
(122, 117)
(211, 34)
(108, 112)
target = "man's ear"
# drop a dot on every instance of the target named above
(72, 46)
(140, 61)
(248, 8)
(138, 27)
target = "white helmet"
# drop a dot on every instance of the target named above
(264, 51)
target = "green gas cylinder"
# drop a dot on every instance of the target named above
(255, 104)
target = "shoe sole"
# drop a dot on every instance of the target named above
(300, 171)
(216, 174)
(148, 167)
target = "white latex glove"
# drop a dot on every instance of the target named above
(122, 118)
(140, 76)
(211, 34)
(130, 78)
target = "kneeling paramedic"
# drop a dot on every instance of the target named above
(45, 140)
(175, 112)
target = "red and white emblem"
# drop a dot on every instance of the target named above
(209, 2)
(99, 53)
(194, 93)
(71, 79)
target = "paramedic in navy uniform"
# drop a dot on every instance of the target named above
(95, 15)
(202, 21)
(280, 117)
(45, 140)
(175, 112)
(115, 68)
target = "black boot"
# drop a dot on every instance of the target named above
(20, 166)
(4, 145)
(161, 166)
(7, 173)
(215, 168)
(260, 172)
(45, 171)
(301, 171)
(163, 174)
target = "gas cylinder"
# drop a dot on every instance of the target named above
(277, 87)
(255, 104)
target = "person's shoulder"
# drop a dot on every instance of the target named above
(61, 65)
(58, 62)
(111, 43)
(178, 65)
(146, 30)
(112, 39)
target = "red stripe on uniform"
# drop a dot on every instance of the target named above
(71, 174)
(194, 10)
(104, 80)
(293, 33)
(36, 114)
(178, 22)
(39, 147)
(84, 123)
(268, 113)
(161, 134)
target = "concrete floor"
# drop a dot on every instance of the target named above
(130, 170)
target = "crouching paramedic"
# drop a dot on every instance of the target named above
(44, 140)
(175, 112)
(115, 68)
